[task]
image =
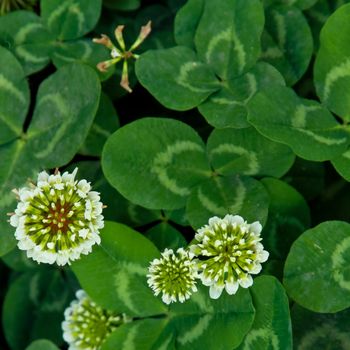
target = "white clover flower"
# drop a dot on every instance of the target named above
(86, 325)
(174, 275)
(57, 219)
(229, 252)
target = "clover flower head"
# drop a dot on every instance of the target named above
(228, 252)
(58, 218)
(86, 325)
(174, 275)
(120, 52)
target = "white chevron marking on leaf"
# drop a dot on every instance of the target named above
(299, 116)
(322, 139)
(226, 101)
(29, 57)
(210, 205)
(267, 336)
(163, 159)
(281, 29)
(228, 35)
(23, 32)
(63, 125)
(134, 269)
(75, 10)
(346, 154)
(87, 50)
(84, 54)
(239, 198)
(54, 15)
(64, 58)
(196, 331)
(122, 285)
(183, 79)
(98, 129)
(339, 263)
(252, 159)
(9, 87)
(336, 73)
(9, 123)
(272, 52)
(7, 197)
(129, 342)
(253, 86)
(165, 345)
(58, 101)
(202, 303)
(325, 332)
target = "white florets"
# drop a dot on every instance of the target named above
(228, 252)
(86, 325)
(58, 219)
(174, 275)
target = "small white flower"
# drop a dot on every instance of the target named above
(115, 53)
(174, 275)
(86, 325)
(57, 219)
(228, 252)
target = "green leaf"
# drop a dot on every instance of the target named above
(307, 177)
(302, 4)
(50, 142)
(17, 166)
(228, 34)
(122, 5)
(114, 274)
(289, 216)
(154, 162)
(177, 216)
(246, 152)
(70, 19)
(272, 326)
(196, 324)
(304, 125)
(140, 335)
(83, 51)
(34, 307)
(164, 236)
(320, 331)
(186, 22)
(105, 123)
(318, 14)
(175, 77)
(228, 106)
(70, 97)
(14, 96)
(332, 66)
(42, 344)
(118, 208)
(24, 34)
(287, 42)
(341, 164)
(317, 273)
(227, 195)
(17, 260)
(204, 323)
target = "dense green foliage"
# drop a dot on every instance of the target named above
(238, 107)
